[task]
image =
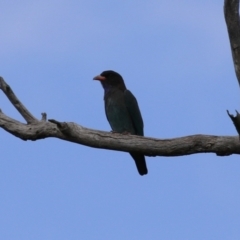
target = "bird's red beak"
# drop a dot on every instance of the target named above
(99, 78)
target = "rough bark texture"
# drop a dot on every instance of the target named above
(39, 129)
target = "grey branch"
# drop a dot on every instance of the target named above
(72, 132)
(16, 103)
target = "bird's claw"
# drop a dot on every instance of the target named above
(126, 133)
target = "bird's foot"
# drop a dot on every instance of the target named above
(113, 131)
(126, 133)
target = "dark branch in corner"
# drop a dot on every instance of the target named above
(231, 12)
(72, 132)
(235, 120)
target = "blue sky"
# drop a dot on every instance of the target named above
(175, 58)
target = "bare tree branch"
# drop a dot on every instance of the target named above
(69, 131)
(16, 103)
(231, 12)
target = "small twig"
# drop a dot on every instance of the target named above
(44, 117)
(235, 120)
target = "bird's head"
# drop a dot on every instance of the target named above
(111, 79)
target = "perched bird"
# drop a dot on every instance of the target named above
(122, 111)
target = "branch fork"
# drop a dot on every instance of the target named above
(72, 132)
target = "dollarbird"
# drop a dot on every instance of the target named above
(122, 111)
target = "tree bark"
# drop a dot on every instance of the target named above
(231, 12)
(69, 131)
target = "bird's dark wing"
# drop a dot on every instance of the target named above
(134, 112)
(105, 107)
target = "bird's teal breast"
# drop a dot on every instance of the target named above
(117, 114)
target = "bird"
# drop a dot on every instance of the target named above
(122, 111)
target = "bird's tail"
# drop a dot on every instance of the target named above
(140, 163)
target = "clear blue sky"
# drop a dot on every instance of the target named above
(175, 58)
